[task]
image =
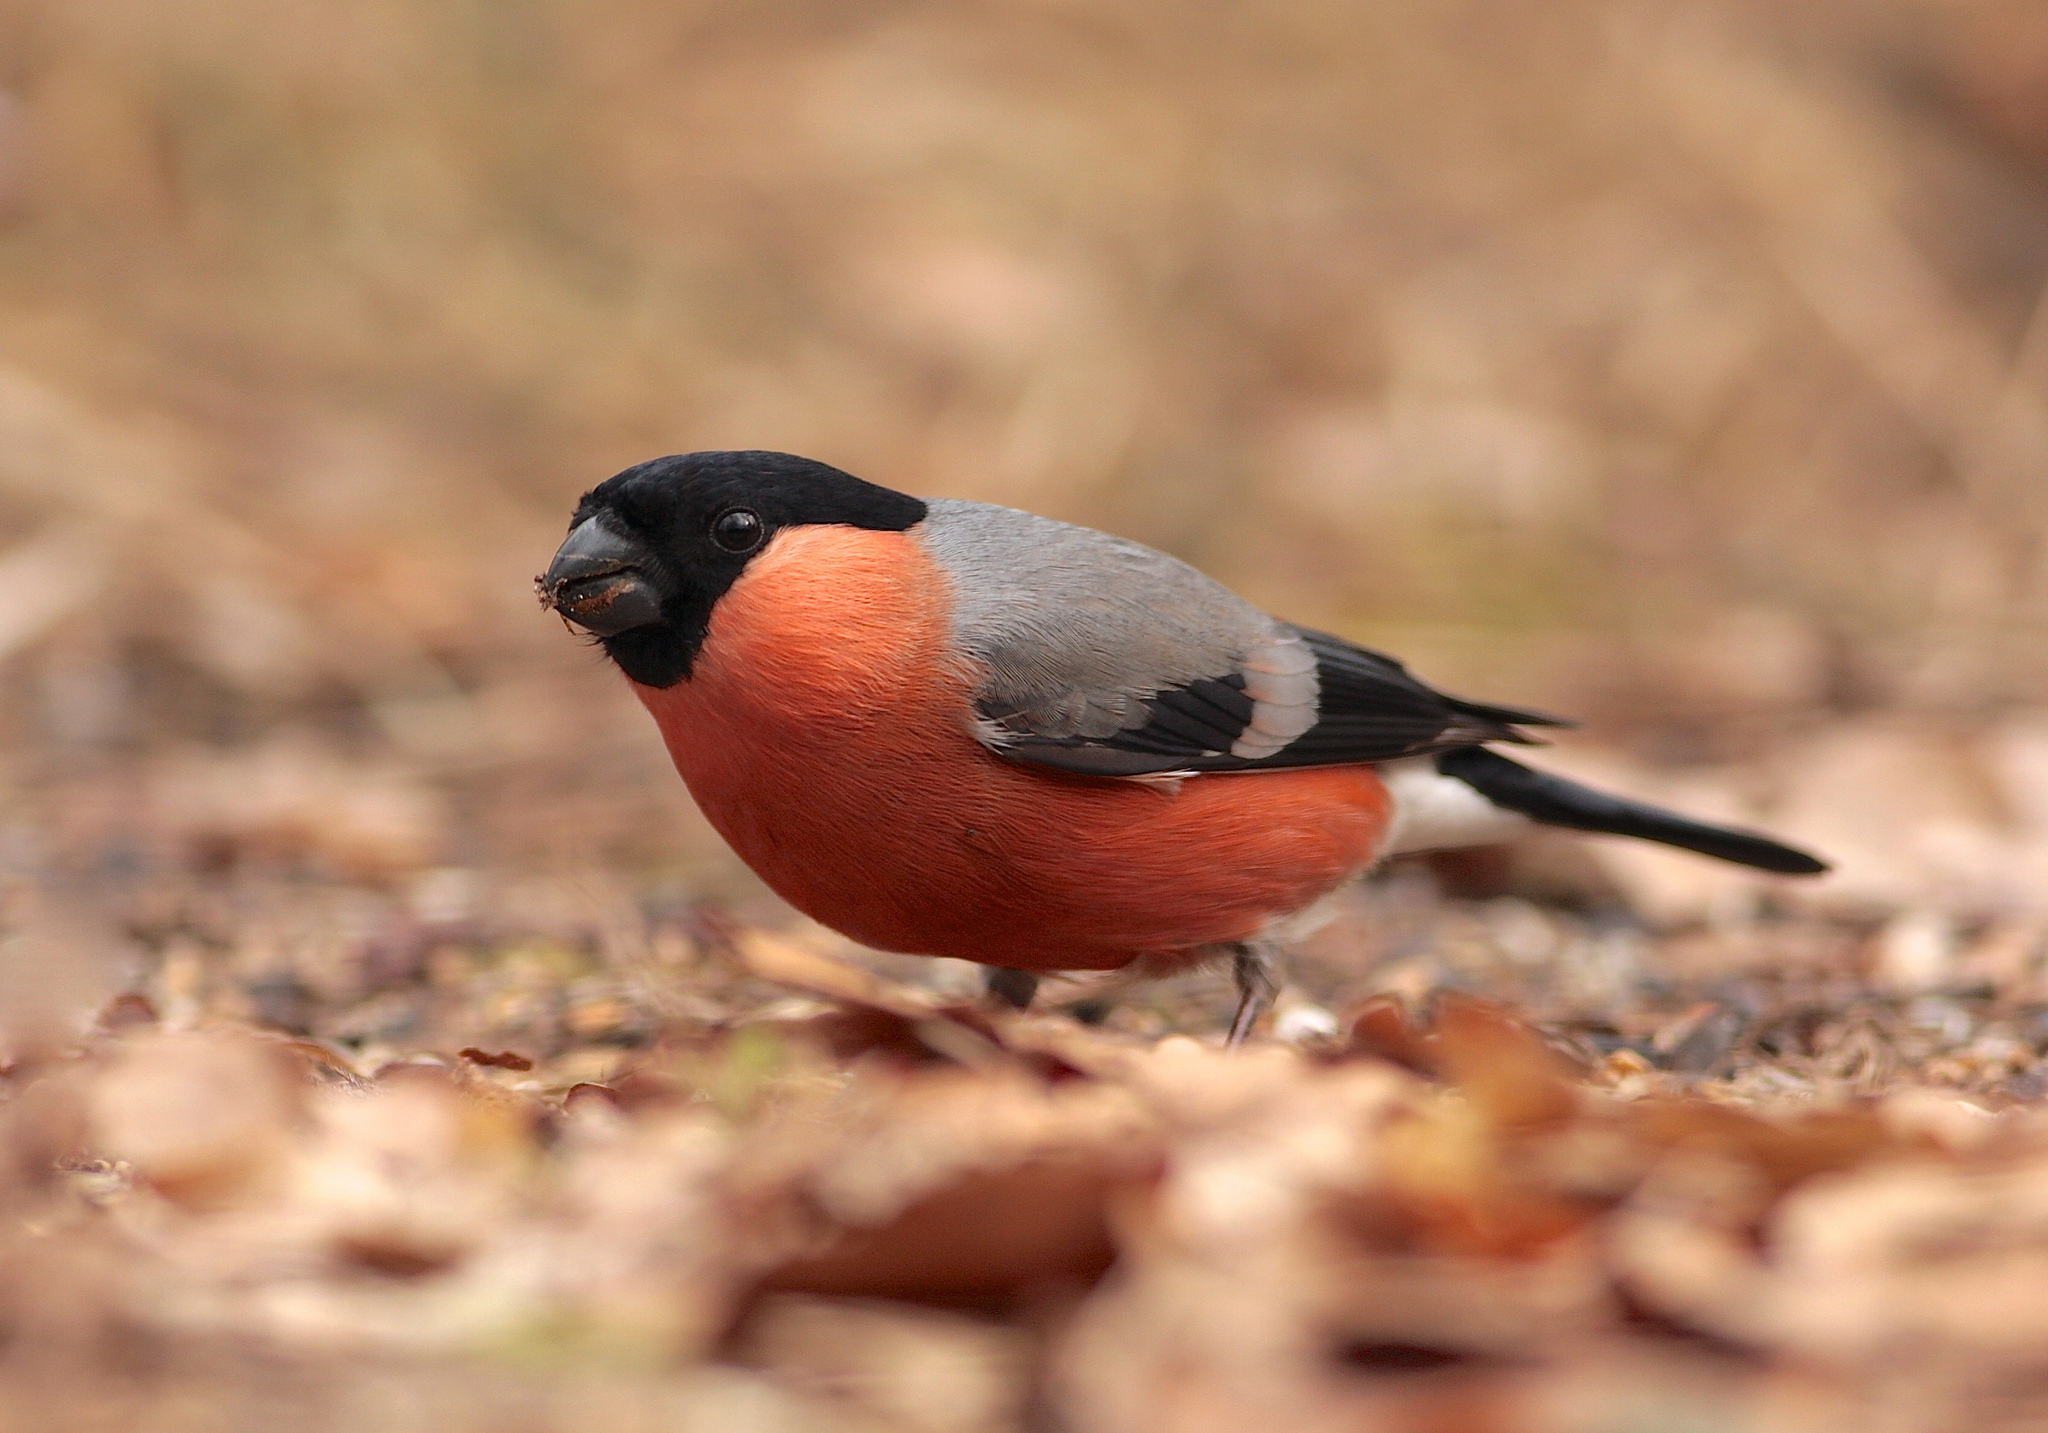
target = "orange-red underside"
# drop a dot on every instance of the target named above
(824, 732)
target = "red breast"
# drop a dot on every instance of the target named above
(825, 731)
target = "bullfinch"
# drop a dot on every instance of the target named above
(949, 728)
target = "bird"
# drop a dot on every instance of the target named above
(949, 728)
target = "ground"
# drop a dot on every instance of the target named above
(471, 1153)
(389, 1044)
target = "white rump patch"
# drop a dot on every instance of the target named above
(1434, 812)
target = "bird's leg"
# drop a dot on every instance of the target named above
(1013, 988)
(1258, 985)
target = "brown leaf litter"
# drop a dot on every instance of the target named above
(889, 1210)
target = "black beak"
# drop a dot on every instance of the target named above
(596, 582)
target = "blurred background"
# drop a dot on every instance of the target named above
(1681, 366)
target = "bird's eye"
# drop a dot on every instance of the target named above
(737, 530)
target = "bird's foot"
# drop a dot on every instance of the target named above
(1258, 985)
(1013, 988)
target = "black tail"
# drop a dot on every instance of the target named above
(1553, 801)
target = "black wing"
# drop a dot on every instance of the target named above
(1368, 708)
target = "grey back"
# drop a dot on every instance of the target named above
(1075, 629)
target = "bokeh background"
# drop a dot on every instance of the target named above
(1682, 367)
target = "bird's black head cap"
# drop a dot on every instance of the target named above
(652, 549)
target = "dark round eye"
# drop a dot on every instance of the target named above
(737, 530)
